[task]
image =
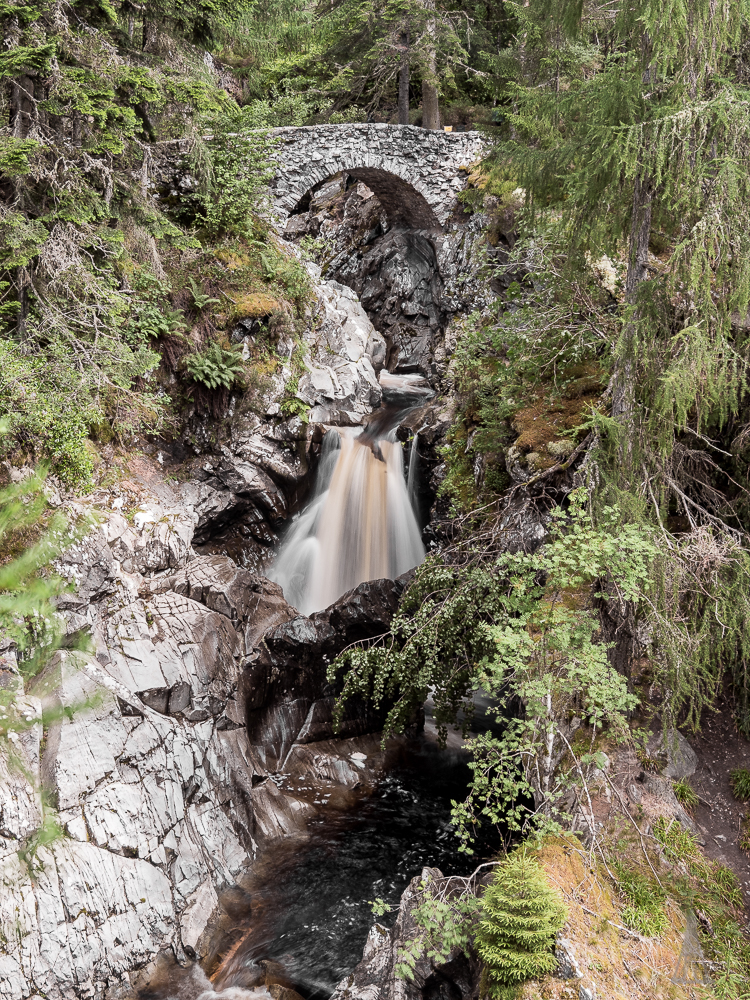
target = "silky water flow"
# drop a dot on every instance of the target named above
(360, 524)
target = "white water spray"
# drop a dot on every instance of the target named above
(359, 526)
(361, 523)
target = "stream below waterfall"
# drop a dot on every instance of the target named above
(308, 902)
(311, 902)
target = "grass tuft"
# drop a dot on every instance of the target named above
(740, 781)
(685, 794)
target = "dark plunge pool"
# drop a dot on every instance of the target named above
(311, 901)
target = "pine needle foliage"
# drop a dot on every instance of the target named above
(521, 914)
(25, 594)
(626, 120)
(30, 539)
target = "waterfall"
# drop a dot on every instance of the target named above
(360, 524)
(294, 564)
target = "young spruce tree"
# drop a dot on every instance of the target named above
(516, 935)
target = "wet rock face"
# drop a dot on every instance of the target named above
(287, 697)
(398, 282)
(395, 273)
(375, 976)
(341, 382)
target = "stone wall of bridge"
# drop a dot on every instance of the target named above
(416, 173)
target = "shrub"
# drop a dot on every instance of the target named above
(216, 367)
(521, 915)
(233, 169)
(740, 781)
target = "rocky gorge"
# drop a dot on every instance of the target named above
(190, 759)
(374, 500)
(197, 727)
(189, 747)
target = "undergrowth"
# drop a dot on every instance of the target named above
(106, 290)
(712, 889)
(645, 900)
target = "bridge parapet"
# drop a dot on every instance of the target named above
(416, 173)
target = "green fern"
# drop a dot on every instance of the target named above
(215, 367)
(200, 299)
(522, 914)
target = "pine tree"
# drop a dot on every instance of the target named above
(516, 934)
(633, 119)
(631, 122)
(376, 44)
(198, 20)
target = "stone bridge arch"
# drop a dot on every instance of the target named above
(415, 173)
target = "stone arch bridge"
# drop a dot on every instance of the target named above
(415, 173)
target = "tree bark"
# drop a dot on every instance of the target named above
(22, 110)
(640, 233)
(619, 618)
(149, 30)
(403, 81)
(430, 101)
(23, 280)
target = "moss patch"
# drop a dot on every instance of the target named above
(617, 963)
(254, 305)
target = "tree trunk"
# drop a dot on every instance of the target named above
(619, 618)
(430, 102)
(623, 400)
(23, 281)
(149, 31)
(403, 81)
(22, 110)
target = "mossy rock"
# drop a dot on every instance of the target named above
(234, 259)
(561, 449)
(255, 305)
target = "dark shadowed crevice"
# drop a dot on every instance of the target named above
(403, 205)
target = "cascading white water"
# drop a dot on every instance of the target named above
(360, 524)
